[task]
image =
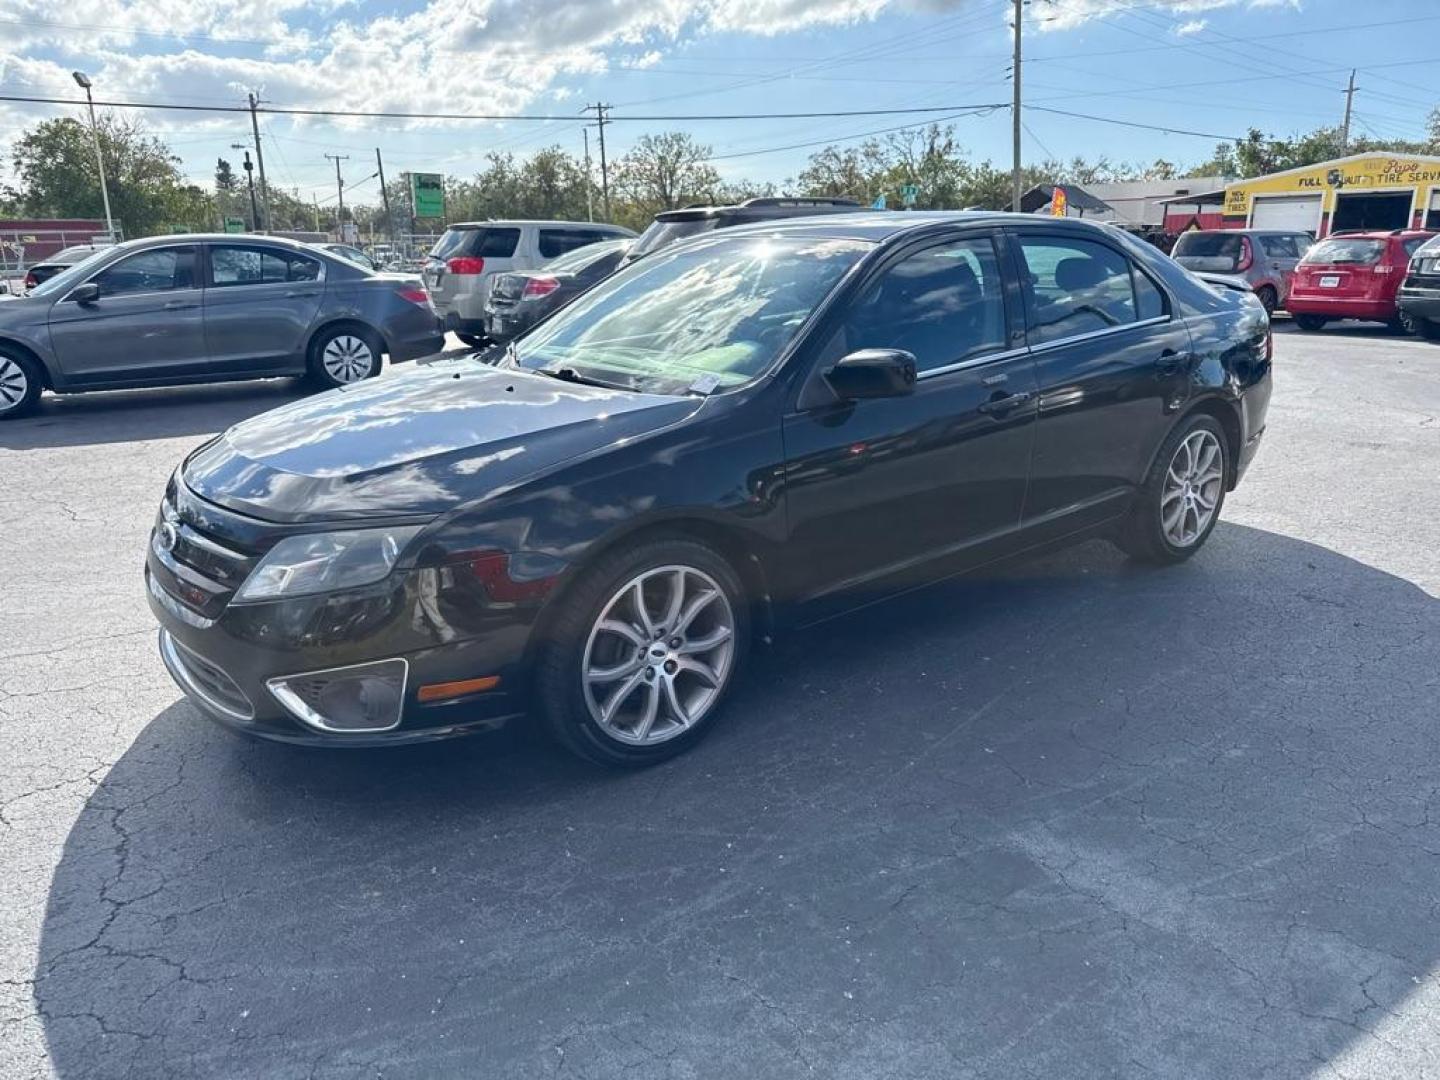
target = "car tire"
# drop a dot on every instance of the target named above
(20, 383)
(601, 694)
(1269, 298)
(1189, 475)
(1429, 329)
(1310, 323)
(344, 355)
(475, 341)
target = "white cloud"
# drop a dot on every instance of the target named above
(1194, 26)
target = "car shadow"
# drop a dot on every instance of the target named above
(1070, 818)
(127, 415)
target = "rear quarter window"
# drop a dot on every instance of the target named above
(558, 241)
(485, 243)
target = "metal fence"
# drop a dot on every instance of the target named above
(21, 249)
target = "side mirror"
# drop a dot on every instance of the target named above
(873, 373)
(85, 294)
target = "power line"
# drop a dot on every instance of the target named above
(847, 138)
(1135, 124)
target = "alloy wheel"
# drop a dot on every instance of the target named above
(13, 384)
(347, 358)
(1192, 488)
(659, 655)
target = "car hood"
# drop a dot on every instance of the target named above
(419, 441)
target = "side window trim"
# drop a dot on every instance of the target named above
(1014, 234)
(195, 278)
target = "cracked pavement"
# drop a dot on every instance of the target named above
(1069, 819)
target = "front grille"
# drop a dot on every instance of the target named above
(205, 680)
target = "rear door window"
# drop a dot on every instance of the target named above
(1279, 247)
(232, 266)
(1076, 286)
(558, 241)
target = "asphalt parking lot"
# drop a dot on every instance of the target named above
(1070, 819)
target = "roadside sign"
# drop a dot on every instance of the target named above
(879, 203)
(427, 194)
(1059, 204)
(909, 193)
(234, 225)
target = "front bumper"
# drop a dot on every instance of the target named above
(236, 663)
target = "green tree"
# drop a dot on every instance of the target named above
(54, 165)
(662, 172)
(225, 181)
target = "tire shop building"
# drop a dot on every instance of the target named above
(1364, 191)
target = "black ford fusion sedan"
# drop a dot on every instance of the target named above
(752, 430)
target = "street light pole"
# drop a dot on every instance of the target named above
(83, 81)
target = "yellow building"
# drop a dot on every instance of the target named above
(1364, 191)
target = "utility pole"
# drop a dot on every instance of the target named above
(315, 200)
(259, 159)
(250, 180)
(589, 197)
(1345, 126)
(339, 194)
(1015, 179)
(385, 197)
(600, 122)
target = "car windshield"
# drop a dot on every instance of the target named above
(69, 277)
(708, 317)
(1339, 251)
(661, 233)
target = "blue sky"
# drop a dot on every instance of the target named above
(1215, 66)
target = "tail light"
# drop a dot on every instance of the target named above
(415, 296)
(466, 265)
(1247, 255)
(536, 287)
(30, 281)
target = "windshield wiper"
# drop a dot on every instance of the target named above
(570, 375)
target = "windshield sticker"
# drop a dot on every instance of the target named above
(705, 383)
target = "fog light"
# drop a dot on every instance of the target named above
(348, 700)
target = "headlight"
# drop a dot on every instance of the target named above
(322, 562)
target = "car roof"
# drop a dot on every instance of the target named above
(212, 238)
(516, 223)
(1379, 234)
(881, 225)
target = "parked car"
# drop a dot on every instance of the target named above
(465, 260)
(1353, 276)
(519, 301)
(63, 259)
(1419, 297)
(354, 254)
(745, 432)
(1265, 258)
(188, 309)
(672, 225)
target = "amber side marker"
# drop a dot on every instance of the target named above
(441, 690)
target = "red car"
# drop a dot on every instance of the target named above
(1352, 276)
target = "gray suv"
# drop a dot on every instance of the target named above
(203, 308)
(1266, 258)
(466, 260)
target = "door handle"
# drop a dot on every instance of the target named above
(177, 305)
(300, 292)
(1170, 362)
(1005, 402)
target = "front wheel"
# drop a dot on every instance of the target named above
(640, 659)
(344, 355)
(1310, 322)
(19, 384)
(1429, 329)
(1180, 502)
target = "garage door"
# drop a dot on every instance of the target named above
(1432, 214)
(1294, 213)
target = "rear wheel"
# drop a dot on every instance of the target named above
(1310, 322)
(344, 355)
(20, 384)
(1429, 329)
(1180, 502)
(641, 657)
(475, 341)
(1269, 298)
